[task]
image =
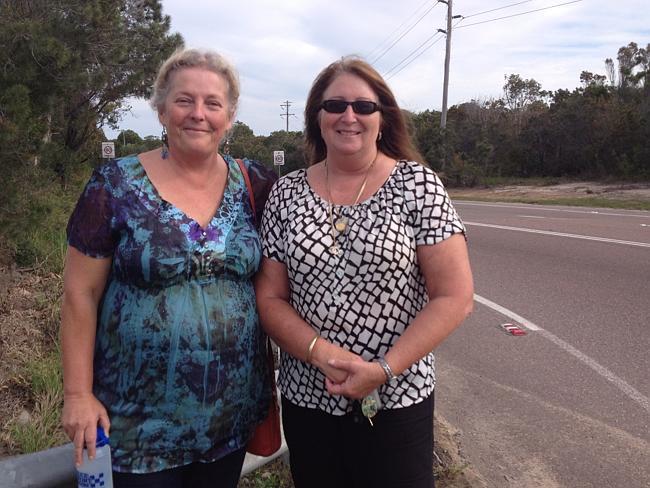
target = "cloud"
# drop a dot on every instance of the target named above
(279, 47)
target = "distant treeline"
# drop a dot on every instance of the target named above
(599, 130)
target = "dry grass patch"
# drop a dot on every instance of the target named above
(633, 196)
(275, 474)
(31, 389)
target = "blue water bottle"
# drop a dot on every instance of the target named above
(96, 473)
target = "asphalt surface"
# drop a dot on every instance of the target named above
(567, 404)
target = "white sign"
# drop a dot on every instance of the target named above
(108, 149)
(278, 158)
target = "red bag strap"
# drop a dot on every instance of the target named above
(248, 185)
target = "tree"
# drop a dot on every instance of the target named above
(521, 97)
(626, 62)
(129, 136)
(241, 142)
(610, 69)
(427, 137)
(129, 142)
(79, 60)
(519, 93)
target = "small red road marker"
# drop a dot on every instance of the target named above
(512, 329)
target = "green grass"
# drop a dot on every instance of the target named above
(275, 474)
(265, 480)
(445, 475)
(43, 428)
(46, 375)
(35, 211)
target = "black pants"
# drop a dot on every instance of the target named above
(347, 452)
(222, 473)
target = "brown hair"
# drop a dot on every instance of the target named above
(395, 140)
(195, 58)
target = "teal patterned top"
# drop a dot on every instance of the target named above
(179, 354)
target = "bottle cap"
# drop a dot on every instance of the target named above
(102, 440)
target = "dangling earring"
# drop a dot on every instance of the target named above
(164, 152)
(379, 136)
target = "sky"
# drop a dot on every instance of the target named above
(280, 46)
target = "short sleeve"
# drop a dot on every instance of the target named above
(435, 217)
(91, 226)
(273, 226)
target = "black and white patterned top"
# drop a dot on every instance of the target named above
(365, 297)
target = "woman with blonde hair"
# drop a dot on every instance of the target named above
(160, 333)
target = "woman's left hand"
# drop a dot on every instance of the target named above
(363, 378)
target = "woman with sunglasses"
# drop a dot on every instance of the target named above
(365, 272)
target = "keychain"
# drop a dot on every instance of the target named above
(370, 405)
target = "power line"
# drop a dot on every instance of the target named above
(385, 41)
(431, 37)
(388, 74)
(402, 36)
(420, 54)
(522, 13)
(413, 52)
(495, 9)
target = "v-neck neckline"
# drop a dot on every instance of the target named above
(166, 205)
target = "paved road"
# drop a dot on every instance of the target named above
(566, 405)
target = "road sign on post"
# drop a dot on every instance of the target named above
(278, 160)
(108, 150)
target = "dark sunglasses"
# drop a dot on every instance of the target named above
(361, 107)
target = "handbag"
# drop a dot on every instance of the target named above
(266, 438)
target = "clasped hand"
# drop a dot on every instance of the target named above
(346, 373)
(353, 378)
(360, 378)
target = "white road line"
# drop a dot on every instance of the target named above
(560, 234)
(620, 383)
(508, 313)
(550, 208)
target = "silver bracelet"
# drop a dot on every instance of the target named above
(387, 371)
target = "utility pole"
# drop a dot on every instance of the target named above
(445, 86)
(286, 114)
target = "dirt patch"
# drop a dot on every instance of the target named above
(577, 190)
(29, 304)
(451, 467)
